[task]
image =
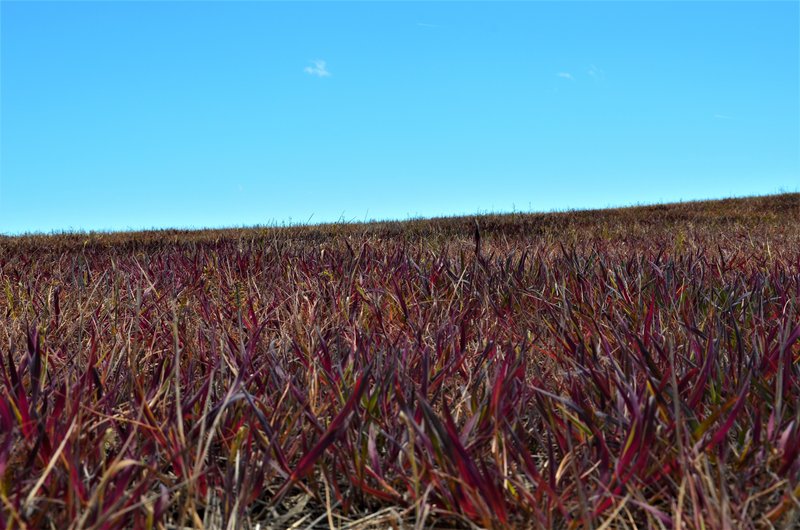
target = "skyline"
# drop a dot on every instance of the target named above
(120, 116)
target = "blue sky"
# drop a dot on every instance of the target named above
(191, 114)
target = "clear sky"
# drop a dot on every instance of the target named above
(192, 114)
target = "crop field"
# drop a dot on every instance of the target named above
(626, 368)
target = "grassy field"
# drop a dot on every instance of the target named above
(626, 368)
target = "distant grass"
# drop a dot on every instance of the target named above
(748, 211)
(620, 368)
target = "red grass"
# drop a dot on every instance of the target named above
(630, 367)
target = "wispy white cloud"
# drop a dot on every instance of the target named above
(565, 75)
(722, 117)
(319, 69)
(596, 72)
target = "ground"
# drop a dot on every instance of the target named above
(619, 368)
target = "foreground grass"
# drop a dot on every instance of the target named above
(624, 368)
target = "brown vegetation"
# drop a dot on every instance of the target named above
(631, 367)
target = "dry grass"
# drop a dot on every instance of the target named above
(622, 368)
